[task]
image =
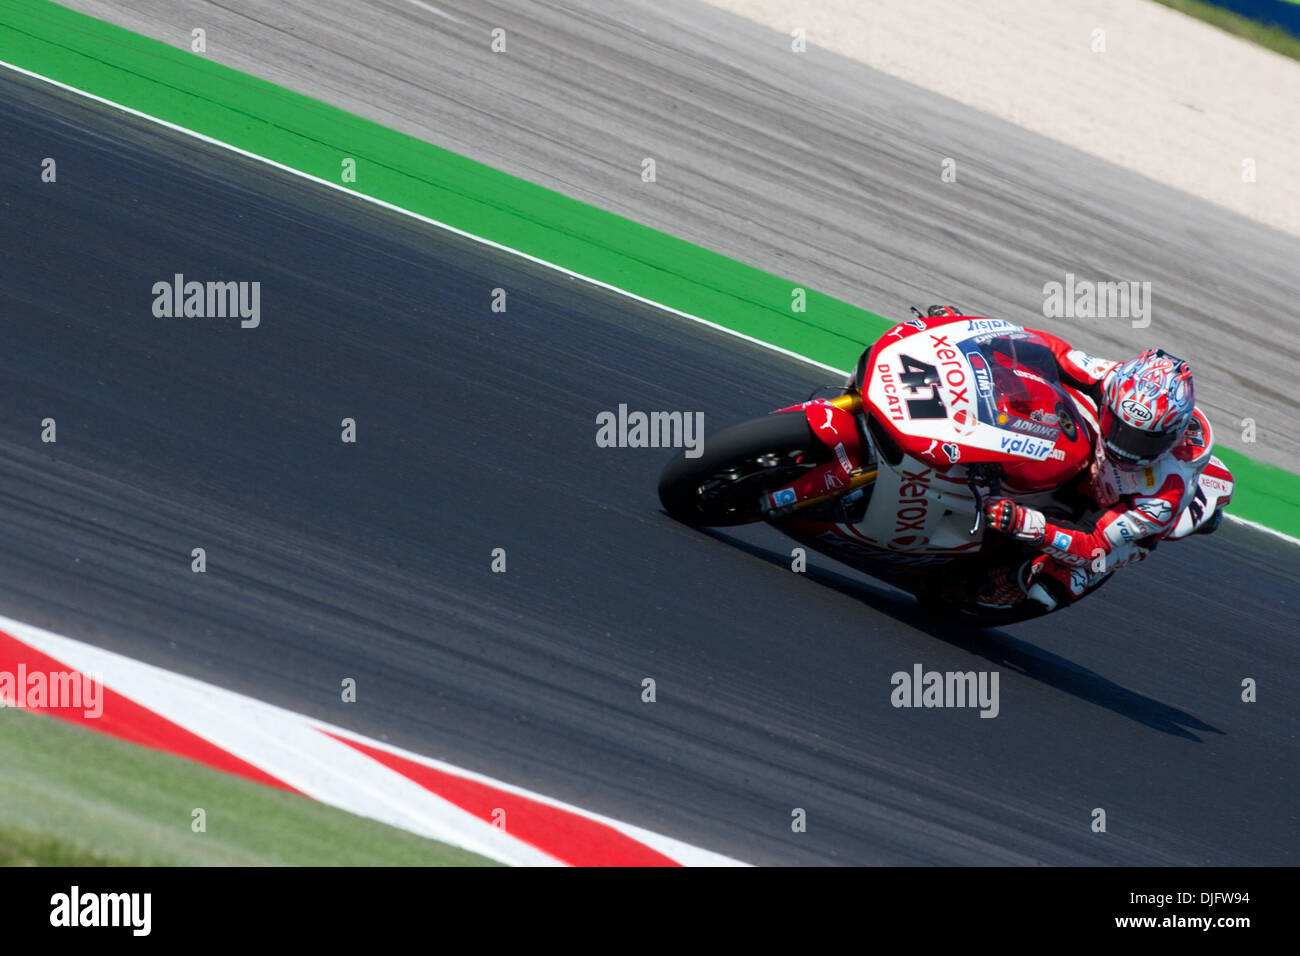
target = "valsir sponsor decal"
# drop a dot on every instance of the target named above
(1027, 447)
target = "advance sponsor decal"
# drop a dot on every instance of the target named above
(1030, 427)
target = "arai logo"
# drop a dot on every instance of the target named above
(1135, 410)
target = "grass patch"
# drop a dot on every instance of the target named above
(73, 797)
(1269, 37)
(24, 848)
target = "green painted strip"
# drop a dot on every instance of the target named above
(1265, 494)
(186, 89)
(189, 90)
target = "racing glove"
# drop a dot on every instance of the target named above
(1010, 518)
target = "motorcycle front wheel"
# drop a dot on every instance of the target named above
(739, 465)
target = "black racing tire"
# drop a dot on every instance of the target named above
(739, 465)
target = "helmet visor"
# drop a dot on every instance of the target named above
(1133, 446)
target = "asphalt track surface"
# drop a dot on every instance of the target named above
(809, 166)
(476, 431)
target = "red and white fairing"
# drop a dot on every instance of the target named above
(951, 392)
(1213, 491)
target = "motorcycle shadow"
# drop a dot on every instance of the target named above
(997, 646)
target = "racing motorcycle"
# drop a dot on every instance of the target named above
(890, 475)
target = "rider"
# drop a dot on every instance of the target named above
(1151, 446)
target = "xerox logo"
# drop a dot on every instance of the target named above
(912, 510)
(1212, 484)
(953, 370)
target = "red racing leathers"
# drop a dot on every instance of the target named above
(1136, 507)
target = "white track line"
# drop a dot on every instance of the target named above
(492, 244)
(427, 220)
(435, 11)
(1261, 527)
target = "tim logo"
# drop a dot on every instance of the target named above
(983, 379)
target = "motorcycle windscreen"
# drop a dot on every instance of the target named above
(1025, 377)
